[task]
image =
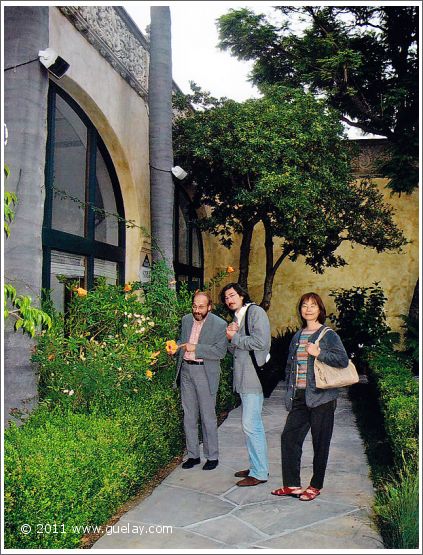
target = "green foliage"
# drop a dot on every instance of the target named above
(10, 199)
(398, 395)
(111, 345)
(28, 318)
(109, 417)
(361, 319)
(75, 470)
(279, 349)
(282, 160)
(390, 405)
(411, 341)
(349, 55)
(397, 510)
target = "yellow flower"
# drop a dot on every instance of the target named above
(171, 346)
(229, 269)
(148, 374)
(127, 287)
(81, 292)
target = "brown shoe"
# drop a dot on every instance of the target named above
(250, 481)
(242, 473)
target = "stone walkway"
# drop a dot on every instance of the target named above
(205, 510)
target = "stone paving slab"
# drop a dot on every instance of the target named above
(207, 511)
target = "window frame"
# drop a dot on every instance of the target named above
(181, 268)
(87, 246)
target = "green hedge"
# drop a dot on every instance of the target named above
(398, 394)
(77, 469)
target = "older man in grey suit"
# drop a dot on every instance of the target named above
(202, 345)
(246, 382)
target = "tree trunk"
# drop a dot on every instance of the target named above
(26, 31)
(160, 134)
(244, 254)
(271, 268)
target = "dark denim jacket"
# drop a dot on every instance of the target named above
(332, 352)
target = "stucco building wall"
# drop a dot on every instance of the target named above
(120, 115)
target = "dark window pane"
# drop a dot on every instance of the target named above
(70, 156)
(196, 249)
(105, 220)
(183, 254)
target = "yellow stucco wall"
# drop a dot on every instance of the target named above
(397, 273)
(120, 116)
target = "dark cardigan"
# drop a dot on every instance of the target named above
(332, 352)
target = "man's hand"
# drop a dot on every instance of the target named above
(190, 347)
(172, 347)
(231, 330)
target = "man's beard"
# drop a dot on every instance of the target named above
(199, 317)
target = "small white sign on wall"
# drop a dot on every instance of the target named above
(145, 270)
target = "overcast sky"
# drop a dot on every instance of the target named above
(195, 56)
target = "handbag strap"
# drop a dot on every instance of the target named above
(247, 332)
(322, 333)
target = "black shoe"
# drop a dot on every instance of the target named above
(189, 463)
(211, 465)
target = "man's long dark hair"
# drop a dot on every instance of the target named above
(238, 289)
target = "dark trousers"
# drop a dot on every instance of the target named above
(299, 421)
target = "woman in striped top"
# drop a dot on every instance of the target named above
(308, 406)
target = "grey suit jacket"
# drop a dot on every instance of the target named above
(212, 346)
(245, 375)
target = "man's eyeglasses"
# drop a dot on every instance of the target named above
(231, 296)
(200, 306)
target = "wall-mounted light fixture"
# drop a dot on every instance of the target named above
(178, 172)
(53, 62)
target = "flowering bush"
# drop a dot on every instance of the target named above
(111, 344)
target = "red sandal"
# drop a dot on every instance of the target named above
(309, 494)
(287, 490)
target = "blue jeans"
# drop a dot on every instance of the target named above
(252, 425)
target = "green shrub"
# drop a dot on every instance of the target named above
(75, 470)
(398, 396)
(361, 319)
(397, 510)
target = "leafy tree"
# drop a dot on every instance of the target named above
(280, 160)
(362, 58)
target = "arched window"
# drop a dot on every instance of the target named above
(83, 229)
(188, 258)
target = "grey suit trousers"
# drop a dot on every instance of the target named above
(198, 401)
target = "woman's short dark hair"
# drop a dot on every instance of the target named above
(238, 289)
(322, 310)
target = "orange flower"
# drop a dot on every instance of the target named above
(127, 287)
(81, 292)
(171, 346)
(229, 269)
(148, 374)
(51, 357)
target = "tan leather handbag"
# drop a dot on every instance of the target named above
(328, 377)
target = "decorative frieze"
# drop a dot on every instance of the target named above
(105, 28)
